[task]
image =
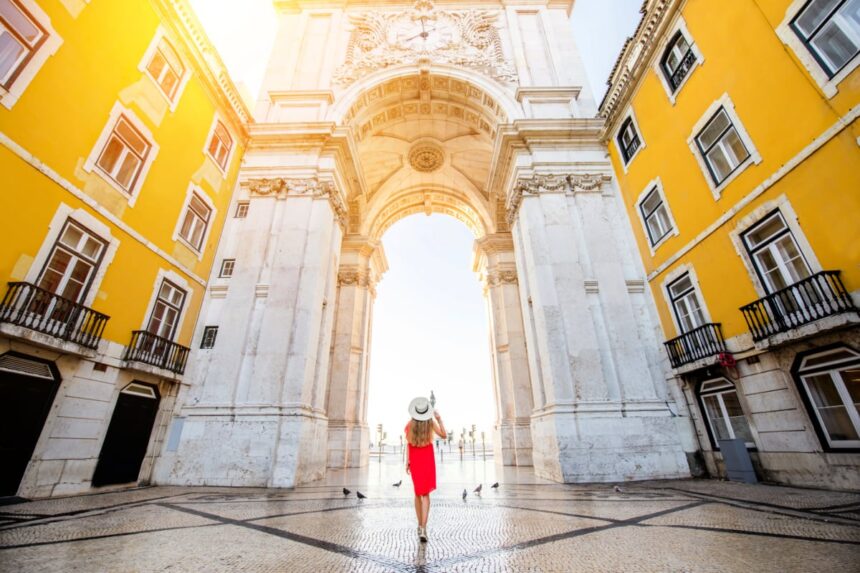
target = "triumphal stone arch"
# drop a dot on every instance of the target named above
(373, 111)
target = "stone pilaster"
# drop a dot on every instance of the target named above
(601, 404)
(496, 264)
(362, 263)
(255, 414)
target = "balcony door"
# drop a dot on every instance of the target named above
(163, 319)
(68, 272)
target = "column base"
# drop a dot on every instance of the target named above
(512, 443)
(607, 442)
(348, 445)
(247, 447)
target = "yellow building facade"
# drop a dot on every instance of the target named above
(120, 141)
(733, 131)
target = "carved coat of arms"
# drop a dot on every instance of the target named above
(467, 38)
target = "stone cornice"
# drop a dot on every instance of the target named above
(635, 58)
(298, 187)
(540, 183)
(179, 15)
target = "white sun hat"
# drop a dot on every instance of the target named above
(420, 409)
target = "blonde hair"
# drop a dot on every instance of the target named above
(420, 433)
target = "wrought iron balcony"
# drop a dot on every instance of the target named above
(156, 351)
(35, 308)
(702, 342)
(815, 297)
(683, 69)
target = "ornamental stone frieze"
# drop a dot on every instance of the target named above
(544, 183)
(502, 277)
(284, 187)
(467, 38)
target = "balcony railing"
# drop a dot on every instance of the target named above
(702, 342)
(815, 297)
(156, 351)
(35, 308)
(683, 69)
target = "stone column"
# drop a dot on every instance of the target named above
(495, 262)
(601, 403)
(362, 263)
(255, 413)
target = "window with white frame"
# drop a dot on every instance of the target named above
(165, 68)
(72, 262)
(21, 36)
(678, 60)
(723, 412)
(124, 154)
(195, 221)
(220, 145)
(721, 146)
(830, 381)
(628, 140)
(685, 303)
(774, 251)
(830, 29)
(166, 311)
(227, 266)
(656, 216)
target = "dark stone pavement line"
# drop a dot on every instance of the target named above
(392, 564)
(751, 532)
(105, 536)
(775, 509)
(443, 564)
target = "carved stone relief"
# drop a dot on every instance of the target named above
(467, 38)
(283, 187)
(542, 183)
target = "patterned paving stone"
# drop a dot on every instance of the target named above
(525, 525)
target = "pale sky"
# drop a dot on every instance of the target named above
(430, 329)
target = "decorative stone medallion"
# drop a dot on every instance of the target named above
(426, 157)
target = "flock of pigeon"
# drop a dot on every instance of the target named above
(476, 491)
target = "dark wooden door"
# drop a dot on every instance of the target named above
(126, 440)
(24, 405)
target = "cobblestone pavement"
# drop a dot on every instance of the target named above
(525, 525)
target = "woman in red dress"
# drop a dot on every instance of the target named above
(421, 463)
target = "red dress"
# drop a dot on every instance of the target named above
(422, 466)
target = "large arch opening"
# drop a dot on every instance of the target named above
(424, 145)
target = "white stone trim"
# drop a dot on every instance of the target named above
(179, 281)
(726, 103)
(90, 165)
(160, 34)
(829, 86)
(783, 205)
(177, 237)
(678, 272)
(789, 166)
(61, 215)
(679, 26)
(41, 167)
(632, 115)
(217, 118)
(52, 43)
(674, 232)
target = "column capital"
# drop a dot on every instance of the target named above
(545, 183)
(283, 187)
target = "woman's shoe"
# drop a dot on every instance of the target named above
(422, 534)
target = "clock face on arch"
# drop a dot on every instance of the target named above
(424, 34)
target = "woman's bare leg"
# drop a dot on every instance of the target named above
(425, 510)
(418, 508)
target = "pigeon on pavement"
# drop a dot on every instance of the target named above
(495, 485)
(464, 495)
(617, 489)
(397, 484)
(346, 491)
(478, 489)
(359, 495)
